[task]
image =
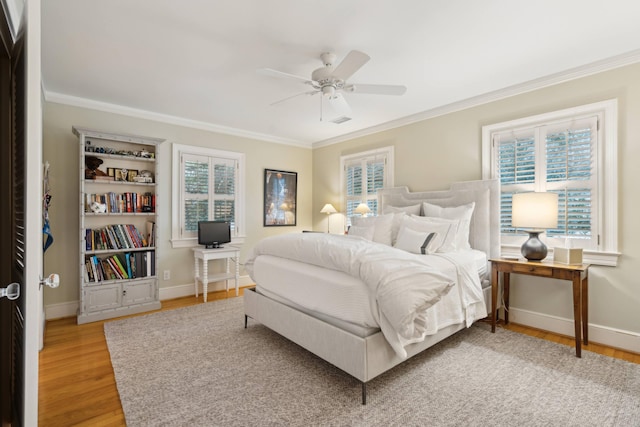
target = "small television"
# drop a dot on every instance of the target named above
(212, 234)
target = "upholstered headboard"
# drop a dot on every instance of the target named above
(484, 231)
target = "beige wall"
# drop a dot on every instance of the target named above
(61, 151)
(432, 153)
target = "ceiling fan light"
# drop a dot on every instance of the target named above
(328, 91)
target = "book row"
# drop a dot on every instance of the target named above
(119, 236)
(129, 265)
(120, 202)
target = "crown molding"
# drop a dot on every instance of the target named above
(607, 64)
(60, 98)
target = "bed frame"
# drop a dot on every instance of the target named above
(365, 358)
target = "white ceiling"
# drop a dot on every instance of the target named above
(195, 62)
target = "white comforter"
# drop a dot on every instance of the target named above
(403, 285)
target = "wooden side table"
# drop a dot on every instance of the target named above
(205, 255)
(577, 274)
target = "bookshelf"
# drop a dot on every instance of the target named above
(118, 213)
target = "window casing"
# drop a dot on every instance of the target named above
(207, 185)
(572, 153)
(362, 175)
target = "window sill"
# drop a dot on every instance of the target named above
(609, 259)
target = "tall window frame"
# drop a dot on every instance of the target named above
(221, 197)
(535, 138)
(362, 174)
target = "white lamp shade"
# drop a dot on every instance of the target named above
(328, 209)
(534, 210)
(362, 209)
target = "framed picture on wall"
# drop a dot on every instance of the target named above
(280, 198)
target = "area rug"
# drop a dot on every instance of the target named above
(198, 366)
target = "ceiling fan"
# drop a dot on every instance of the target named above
(331, 81)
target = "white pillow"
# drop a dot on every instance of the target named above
(444, 240)
(462, 213)
(411, 210)
(382, 227)
(365, 232)
(417, 242)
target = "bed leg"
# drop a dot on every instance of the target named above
(364, 393)
(245, 321)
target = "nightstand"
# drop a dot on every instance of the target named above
(577, 274)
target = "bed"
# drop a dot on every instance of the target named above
(362, 327)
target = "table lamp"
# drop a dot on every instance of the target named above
(362, 209)
(328, 209)
(535, 212)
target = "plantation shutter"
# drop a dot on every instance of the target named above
(375, 180)
(353, 174)
(364, 176)
(559, 158)
(208, 191)
(224, 190)
(195, 191)
(570, 172)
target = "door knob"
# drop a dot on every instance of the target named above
(11, 292)
(52, 281)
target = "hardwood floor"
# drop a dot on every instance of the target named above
(77, 386)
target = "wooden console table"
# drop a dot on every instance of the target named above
(577, 274)
(205, 255)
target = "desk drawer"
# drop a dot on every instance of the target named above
(538, 270)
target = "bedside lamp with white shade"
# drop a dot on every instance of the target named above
(535, 212)
(362, 209)
(328, 209)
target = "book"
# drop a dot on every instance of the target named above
(120, 263)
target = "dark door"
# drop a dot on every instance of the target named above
(12, 220)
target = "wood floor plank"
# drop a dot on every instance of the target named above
(77, 386)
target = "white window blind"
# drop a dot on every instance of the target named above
(559, 158)
(363, 174)
(207, 186)
(209, 191)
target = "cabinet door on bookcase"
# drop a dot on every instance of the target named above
(118, 212)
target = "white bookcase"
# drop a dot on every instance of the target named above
(118, 213)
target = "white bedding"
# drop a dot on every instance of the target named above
(399, 286)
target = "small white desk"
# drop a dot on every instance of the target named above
(205, 255)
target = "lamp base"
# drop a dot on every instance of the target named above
(533, 249)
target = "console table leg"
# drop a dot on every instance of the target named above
(237, 273)
(577, 309)
(195, 275)
(205, 279)
(585, 308)
(494, 295)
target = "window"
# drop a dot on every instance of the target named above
(207, 185)
(571, 153)
(362, 175)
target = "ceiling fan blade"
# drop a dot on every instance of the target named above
(376, 89)
(280, 74)
(311, 92)
(339, 105)
(350, 64)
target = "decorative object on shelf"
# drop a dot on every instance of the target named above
(280, 197)
(328, 209)
(98, 207)
(362, 209)
(144, 176)
(536, 211)
(92, 163)
(569, 256)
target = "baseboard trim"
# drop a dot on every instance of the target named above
(616, 338)
(70, 309)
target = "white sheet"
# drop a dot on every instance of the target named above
(398, 296)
